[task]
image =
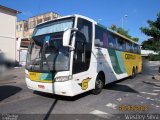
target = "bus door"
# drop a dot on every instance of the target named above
(82, 53)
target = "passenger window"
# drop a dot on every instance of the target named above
(135, 48)
(112, 41)
(100, 37)
(138, 49)
(129, 46)
(86, 28)
(121, 44)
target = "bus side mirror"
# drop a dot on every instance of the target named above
(67, 36)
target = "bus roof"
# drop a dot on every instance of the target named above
(74, 15)
(81, 16)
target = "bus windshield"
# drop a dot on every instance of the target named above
(46, 53)
(54, 26)
(48, 56)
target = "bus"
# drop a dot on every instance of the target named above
(74, 54)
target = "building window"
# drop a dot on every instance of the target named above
(25, 26)
(21, 27)
(32, 24)
(47, 18)
(17, 27)
(39, 21)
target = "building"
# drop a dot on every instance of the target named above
(8, 32)
(24, 30)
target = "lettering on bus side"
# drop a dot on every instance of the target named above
(129, 56)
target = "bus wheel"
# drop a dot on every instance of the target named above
(98, 85)
(133, 73)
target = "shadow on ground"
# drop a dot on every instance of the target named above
(56, 98)
(7, 91)
(112, 86)
(115, 86)
(50, 110)
(65, 98)
(150, 83)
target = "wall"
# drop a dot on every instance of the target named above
(7, 33)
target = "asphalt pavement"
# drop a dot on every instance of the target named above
(117, 100)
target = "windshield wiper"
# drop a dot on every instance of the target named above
(44, 57)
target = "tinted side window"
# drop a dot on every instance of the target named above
(112, 41)
(128, 46)
(85, 27)
(83, 47)
(100, 37)
(139, 49)
(121, 44)
(135, 48)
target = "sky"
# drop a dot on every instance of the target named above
(106, 12)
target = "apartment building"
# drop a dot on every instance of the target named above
(8, 32)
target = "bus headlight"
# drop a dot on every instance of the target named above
(63, 78)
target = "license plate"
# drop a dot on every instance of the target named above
(41, 86)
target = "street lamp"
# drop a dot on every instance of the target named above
(125, 16)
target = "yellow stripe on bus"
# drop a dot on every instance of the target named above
(132, 60)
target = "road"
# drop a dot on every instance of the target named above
(142, 91)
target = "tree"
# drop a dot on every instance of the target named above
(154, 32)
(123, 32)
(113, 27)
(135, 39)
(149, 44)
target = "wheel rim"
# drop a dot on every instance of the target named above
(99, 84)
(133, 73)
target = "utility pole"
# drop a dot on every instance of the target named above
(125, 16)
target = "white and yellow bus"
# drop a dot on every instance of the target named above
(74, 54)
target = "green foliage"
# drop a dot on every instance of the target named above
(135, 39)
(149, 45)
(113, 27)
(123, 32)
(153, 31)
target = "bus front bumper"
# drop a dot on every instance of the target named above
(67, 88)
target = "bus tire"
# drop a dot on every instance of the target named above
(133, 73)
(98, 85)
